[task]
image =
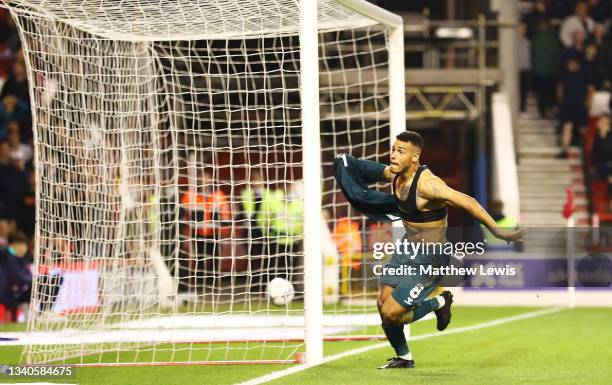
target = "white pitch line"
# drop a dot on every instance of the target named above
(500, 321)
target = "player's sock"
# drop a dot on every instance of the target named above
(425, 307)
(441, 301)
(406, 356)
(397, 339)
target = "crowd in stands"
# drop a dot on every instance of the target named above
(266, 221)
(565, 58)
(16, 174)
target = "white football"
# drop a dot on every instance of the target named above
(280, 291)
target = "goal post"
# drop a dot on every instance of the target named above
(183, 157)
(312, 146)
(311, 150)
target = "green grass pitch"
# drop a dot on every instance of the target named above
(572, 346)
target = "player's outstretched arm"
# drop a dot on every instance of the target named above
(387, 174)
(433, 188)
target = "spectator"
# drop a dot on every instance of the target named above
(347, 237)
(574, 92)
(17, 278)
(5, 165)
(539, 14)
(607, 59)
(14, 184)
(524, 52)
(576, 50)
(251, 199)
(250, 210)
(602, 149)
(288, 228)
(599, 34)
(8, 32)
(19, 55)
(607, 124)
(579, 21)
(274, 226)
(270, 221)
(602, 61)
(545, 66)
(17, 83)
(27, 209)
(14, 110)
(593, 68)
(5, 154)
(19, 150)
(599, 10)
(4, 233)
(207, 212)
(560, 9)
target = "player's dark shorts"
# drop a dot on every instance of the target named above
(412, 289)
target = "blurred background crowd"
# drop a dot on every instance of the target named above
(17, 194)
(565, 60)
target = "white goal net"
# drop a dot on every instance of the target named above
(168, 142)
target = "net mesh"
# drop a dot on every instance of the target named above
(169, 177)
(154, 20)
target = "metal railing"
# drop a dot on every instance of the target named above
(453, 44)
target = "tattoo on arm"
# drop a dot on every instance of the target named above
(436, 188)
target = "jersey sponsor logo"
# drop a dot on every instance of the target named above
(414, 293)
